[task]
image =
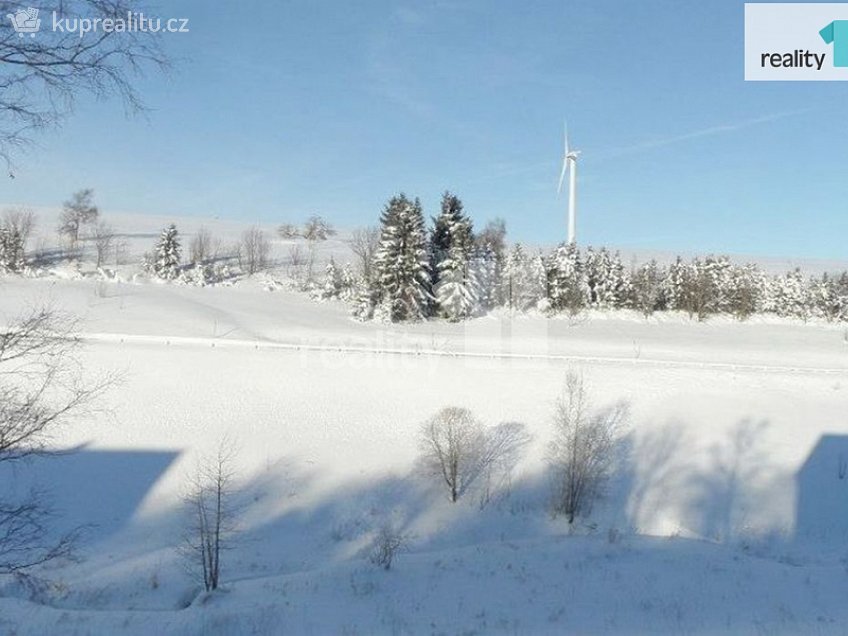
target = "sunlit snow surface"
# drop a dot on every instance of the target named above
(728, 513)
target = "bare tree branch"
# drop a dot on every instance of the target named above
(41, 77)
(41, 389)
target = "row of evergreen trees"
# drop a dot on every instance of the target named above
(415, 274)
(452, 273)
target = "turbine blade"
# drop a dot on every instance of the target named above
(562, 175)
(565, 135)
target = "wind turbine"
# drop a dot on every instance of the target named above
(569, 160)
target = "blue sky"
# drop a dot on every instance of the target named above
(278, 110)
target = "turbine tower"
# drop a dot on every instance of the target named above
(569, 161)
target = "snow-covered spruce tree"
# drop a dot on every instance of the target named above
(350, 283)
(597, 271)
(402, 267)
(829, 297)
(450, 228)
(620, 287)
(454, 278)
(457, 292)
(792, 296)
(484, 267)
(691, 287)
(674, 285)
(166, 260)
(491, 249)
(536, 287)
(11, 251)
(566, 283)
(332, 287)
(514, 277)
(841, 290)
(744, 295)
(608, 283)
(339, 282)
(720, 285)
(523, 281)
(648, 291)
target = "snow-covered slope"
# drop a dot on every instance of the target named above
(736, 433)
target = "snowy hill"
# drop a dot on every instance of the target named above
(727, 512)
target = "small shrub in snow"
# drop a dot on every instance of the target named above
(199, 274)
(388, 542)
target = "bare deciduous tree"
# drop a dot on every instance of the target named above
(502, 448)
(79, 210)
(21, 220)
(493, 237)
(451, 443)
(458, 450)
(41, 390)
(103, 236)
(200, 248)
(301, 265)
(288, 231)
(364, 243)
(212, 514)
(295, 264)
(581, 453)
(253, 251)
(317, 228)
(40, 77)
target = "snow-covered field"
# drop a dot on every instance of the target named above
(729, 512)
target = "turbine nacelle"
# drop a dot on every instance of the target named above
(569, 155)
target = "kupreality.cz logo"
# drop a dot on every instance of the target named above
(26, 22)
(796, 41)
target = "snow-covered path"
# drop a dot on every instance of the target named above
(341, 348)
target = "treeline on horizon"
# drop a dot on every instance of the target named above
(407, 271)
(412, 272)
